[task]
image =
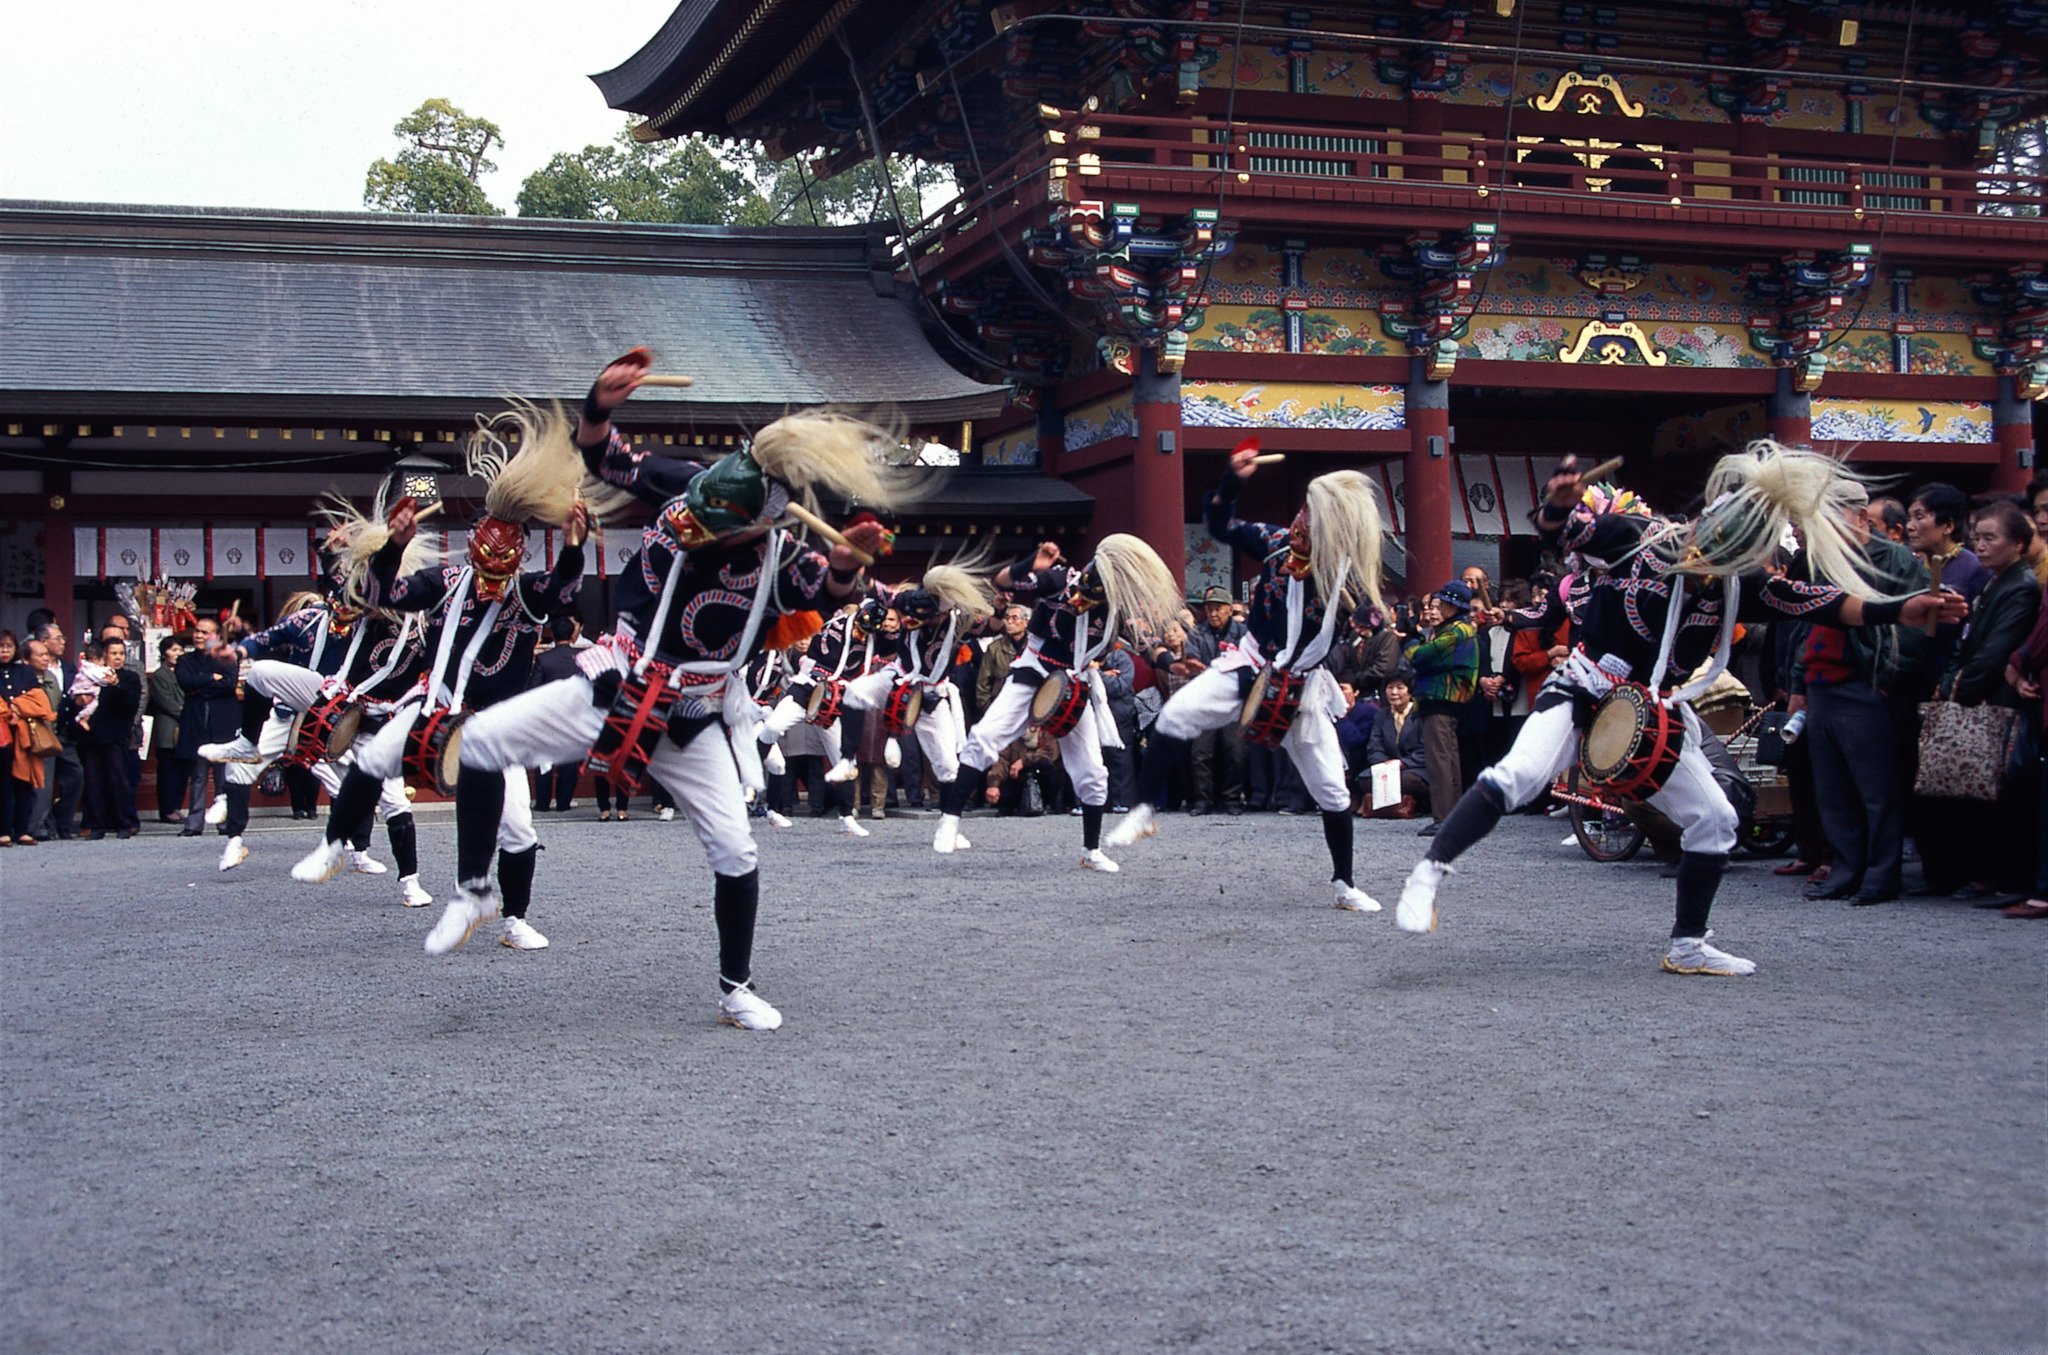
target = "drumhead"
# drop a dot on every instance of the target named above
(1611, 739)
(1047, 698)
(1251, 702)
(451, 758)
(343, 736)
(913, 706)
(819, 690)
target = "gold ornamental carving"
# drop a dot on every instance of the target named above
(1600, 341)
(1589, 100)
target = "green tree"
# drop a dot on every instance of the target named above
(707, 181)
(438, 171)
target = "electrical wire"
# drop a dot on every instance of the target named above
(1884, 218)
(1507, 158)
(881, 155)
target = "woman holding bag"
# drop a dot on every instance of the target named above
(31, 728)
(1964, 851)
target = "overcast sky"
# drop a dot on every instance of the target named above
(230, 103)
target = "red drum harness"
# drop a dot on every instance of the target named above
(324, 733)
(904, 706)
(827, 695)
(1274, 701)
(1633, 743)
(433, 750)
(1058, 704)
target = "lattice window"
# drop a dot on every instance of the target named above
(1310, 164)
(1814, 197)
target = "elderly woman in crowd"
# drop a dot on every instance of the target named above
(2028, 675)
(1397, 737)
(1964, 848)
(27, 701)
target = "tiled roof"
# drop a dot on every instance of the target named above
(307, 315)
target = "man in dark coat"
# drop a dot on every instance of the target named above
(103, 747)
(213, 714)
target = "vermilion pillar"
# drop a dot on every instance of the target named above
(2014, 419)
(60, 567)
(1158, 484)
(1790, 412)
(1428, 484)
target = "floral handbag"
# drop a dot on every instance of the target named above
(1965, 751)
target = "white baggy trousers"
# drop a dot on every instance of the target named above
(1211, 701)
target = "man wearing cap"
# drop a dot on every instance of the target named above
(1216, 634)
(1445, 660)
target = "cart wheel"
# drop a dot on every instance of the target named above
(1767, 837)
(1603, 835)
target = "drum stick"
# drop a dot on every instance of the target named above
(1601, 471)
(1933, 587)
(828, 531)
(1269, 459)
(423, 514)
(663, 379)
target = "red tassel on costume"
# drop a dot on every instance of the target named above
(793, 629)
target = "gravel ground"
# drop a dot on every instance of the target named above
(1016, 1106)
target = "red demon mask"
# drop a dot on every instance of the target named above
(1297, 545)
(495, 550)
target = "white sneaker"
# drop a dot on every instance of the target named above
(1138, 823)
(365, 864)
(892, 754)
(668, 813)
(1692, 955)
(233, 854)
(947, 839)
(520, 936)
(1352, 899)
(779, 819)
(237, 749)
(321, 864)
(843, 770)
(850, 826)
(411, 895)
(1416, 912)
(773, 762)
(960, 844)
(1095, 860)
(460, 919)
(217, 812)
(1571, 841)
(744, 1008)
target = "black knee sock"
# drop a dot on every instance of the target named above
(1091, 826)
(1699, 878)
(842, 798)
(360, 838)
(953, 794)
(356, 797)
(1471, 819)
(238, 809)
(1162, 755)
(515, 880)
(255, 710)
(734, 901)
(1337, 835)
(479, 803)
(405, 843)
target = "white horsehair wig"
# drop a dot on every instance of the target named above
(540, 479)
(822, 447)
(1137, 583)
(962, 584)
(361, 537)
(1345, 523)
(1752, 497)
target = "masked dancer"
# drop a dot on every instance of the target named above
(1668, 604)
(1055, 681)
(913, 693)
(325, 647)
(717, 579)
(483, 620)
(1312, 574)
(850, 646)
